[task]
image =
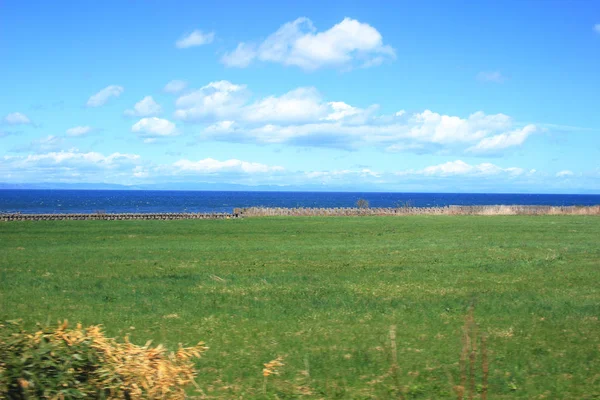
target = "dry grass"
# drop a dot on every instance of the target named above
(399, 211)
(118, 370)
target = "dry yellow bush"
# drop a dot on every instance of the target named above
(112, 369)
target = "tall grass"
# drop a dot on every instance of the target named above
(403, 210)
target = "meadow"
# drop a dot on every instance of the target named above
(353, 307)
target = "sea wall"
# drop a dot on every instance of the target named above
(276, 211)
(115, 217)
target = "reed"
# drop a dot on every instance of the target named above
(404, 210)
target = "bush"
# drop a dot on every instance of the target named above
(362, 203)
(63, 363)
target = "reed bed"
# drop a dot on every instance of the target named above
(400, 211)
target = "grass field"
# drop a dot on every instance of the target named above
(323, 293)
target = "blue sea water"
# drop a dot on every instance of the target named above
(154, 201)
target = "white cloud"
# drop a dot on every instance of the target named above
(349, 127)
(340, 110)
(74, 156)
(175, 86)
(457, 167)
(100, 98)
(212, 166)
(146, 107)
(241, 57)
(503, 141)
(564, 173)
(491, 76)
(451, 172)
(328, 176)
(79, 130)
(439, 128)
(71, 165)
(597, 28)
(17, 118)
(298, 43)
(154, 127)
(402, 147)
(196, 38)
(303, 117)
(224, 99)
(461, 168)
(140, 172)
(216, 100)
(302, 104)
(221, 126)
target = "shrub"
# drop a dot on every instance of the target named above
(63, 363)
(362, 203)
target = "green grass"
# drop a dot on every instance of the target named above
(324, 292)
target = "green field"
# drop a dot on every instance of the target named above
(323, 293)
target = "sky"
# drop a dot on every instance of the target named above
(397, 96)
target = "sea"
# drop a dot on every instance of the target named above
(163, 201)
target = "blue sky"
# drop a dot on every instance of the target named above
(401, 96)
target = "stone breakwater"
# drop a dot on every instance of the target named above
(334, 212)
(115, 217)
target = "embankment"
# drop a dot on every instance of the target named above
(333, 212)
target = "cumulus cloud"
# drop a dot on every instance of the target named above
(17, 118)
(221, 126)
(224, 99)
(298, 43)
(302, 104)
(195, 38)
(338, 111)
(503, 141)
(71, 157)
(303, 117)
(565, 173)
(212, 166)
(439, 128)
(71, 165)
(146, 107)
(102, 97)
(175, 86)
(241, 57)
(491, 76)
(154, 127)
(597, 28)
(405, 147)
(460, 167)
(79, 131)
(343, 176)
(140, 172)
(215, 100)
(450, 174)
